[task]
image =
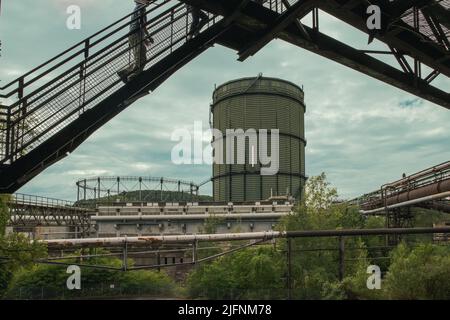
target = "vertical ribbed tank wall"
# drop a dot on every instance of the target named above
(260, 103)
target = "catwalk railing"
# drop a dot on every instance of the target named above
(46, 99)
(29, 210)
(56, 93)
(434, 181)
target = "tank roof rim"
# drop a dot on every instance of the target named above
(262, 78)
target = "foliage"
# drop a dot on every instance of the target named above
(419, 273)
(318, 193)
(49, 282)
(16, 250)
(316, 273)
(4, 213)
(354, 286)
(252, 273)
(261, 272)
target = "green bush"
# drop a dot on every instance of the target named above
(253, 273)
(49, 282)
(146, 282)
(4, 213)
(419, 273)
(16, 250)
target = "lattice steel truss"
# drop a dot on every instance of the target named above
(27, 211)
(103, 190)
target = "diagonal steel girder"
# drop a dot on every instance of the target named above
(397, 8)
(255, 18)
(399, 35)
(436, 28)
(297, 11)
(441, 13)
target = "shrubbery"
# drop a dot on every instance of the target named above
(49, 282)
(16, 250)
(422, 272)
(252, 273)
(419, 273)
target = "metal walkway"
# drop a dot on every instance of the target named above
(28, 211)
(423, 188)
(48, 119)
(53, 108)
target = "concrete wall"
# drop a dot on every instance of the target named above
(152, 219)
(164, 227)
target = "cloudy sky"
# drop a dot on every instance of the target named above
(360, 131)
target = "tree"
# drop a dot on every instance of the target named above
(412, 273)
(252, 273)
(16, 250)
(419, 273)
(316, 272)
(4, 213)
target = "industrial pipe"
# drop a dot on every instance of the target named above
(267, 235)
(161, 239)
(421, 192)
(408, 203)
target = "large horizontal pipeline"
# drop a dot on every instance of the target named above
(421, 192)
(408, 203)
(268, 235)
(226, 216)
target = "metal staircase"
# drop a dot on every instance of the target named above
(55, 107)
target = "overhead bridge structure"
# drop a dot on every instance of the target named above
(49, 111)
(429, 188)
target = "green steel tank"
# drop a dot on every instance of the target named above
(260, 103)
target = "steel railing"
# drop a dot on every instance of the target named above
(46, 99)
(420, 179)
(81, 77)
(38, 201)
